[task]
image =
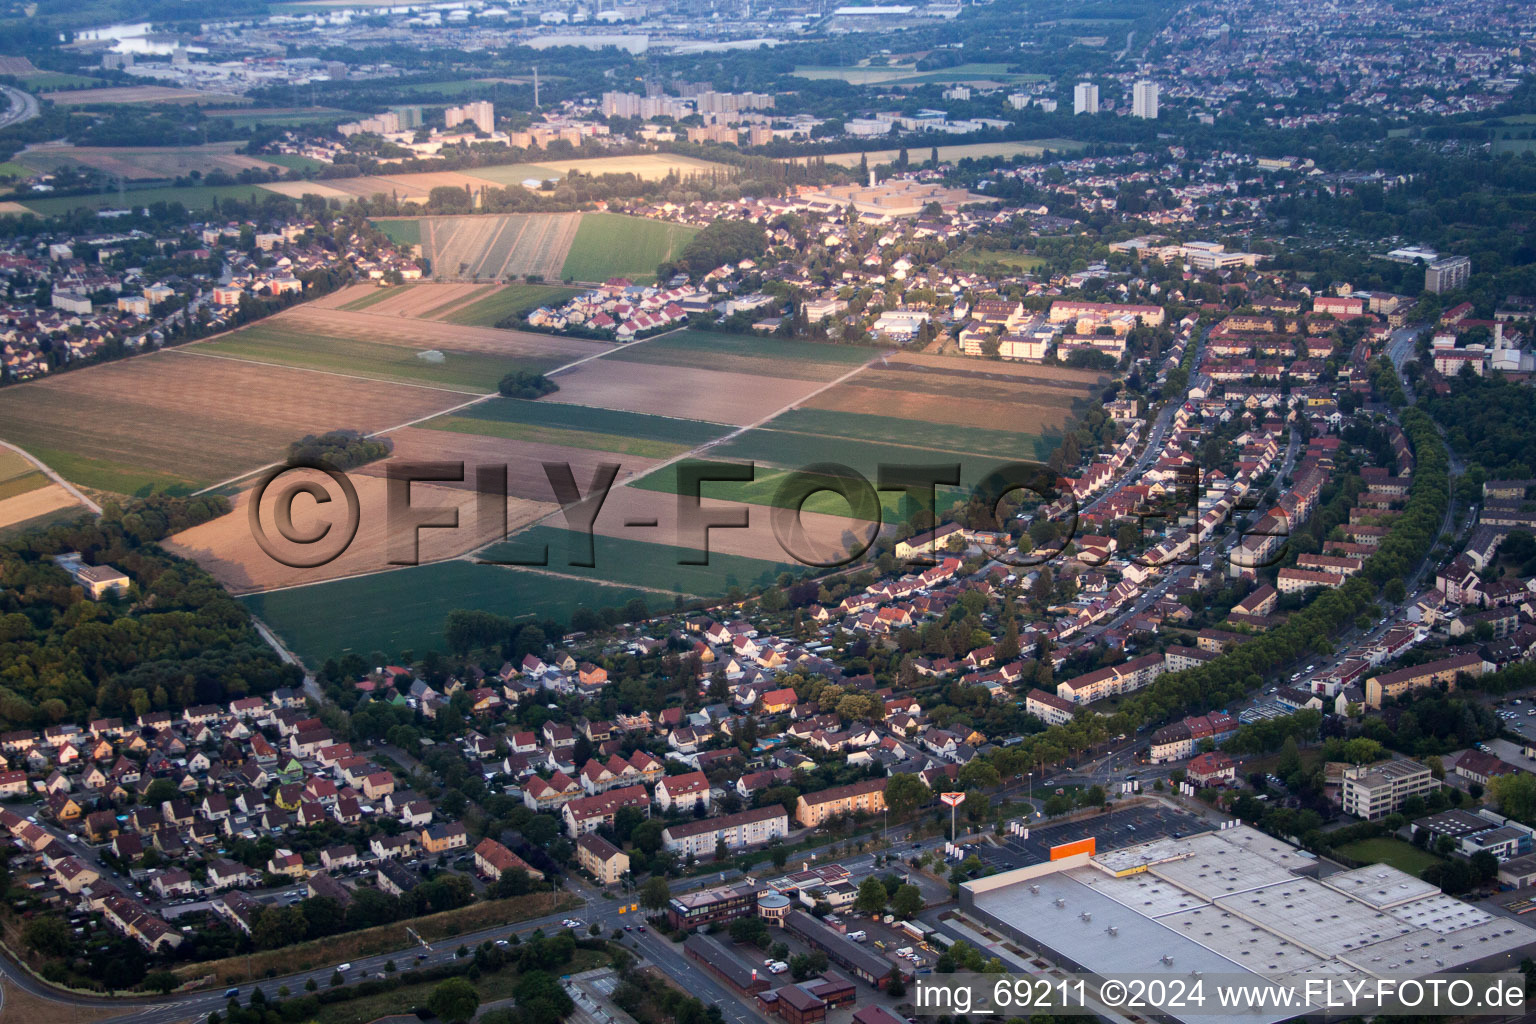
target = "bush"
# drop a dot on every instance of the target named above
(525, 384)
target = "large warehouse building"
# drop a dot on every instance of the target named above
(1237, 901)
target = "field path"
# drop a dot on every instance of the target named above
(48, 471)
(476, 399)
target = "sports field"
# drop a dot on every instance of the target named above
(405, 609)
(492, 307)
(748, 353)
(613, 245)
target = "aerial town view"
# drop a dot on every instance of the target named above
(767, 511)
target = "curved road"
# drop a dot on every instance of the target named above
(23, 107)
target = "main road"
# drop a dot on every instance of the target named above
(23, 106)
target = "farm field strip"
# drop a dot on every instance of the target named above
(614, 245)
(341, 358)
(974, 150)
(127, 425)
(377, 328)
(506, 301)
(366, 613)
(532, 432)
(497, 246)
(772, 357)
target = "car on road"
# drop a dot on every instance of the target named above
(231, 993)
(640, 928)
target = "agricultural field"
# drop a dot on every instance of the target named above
(283, 117)
(129, 427)
(27, 496)
(193, 197)
(972, 150)
(748, 353)
(509, 300)
(405, 609)
(408, 185)
(150, 163)
(495, 247)
(300, 189)
(416, 299)
(625, 433)
(646, 166)
(227, 549)
(612, 245)
(401, 230)
(137, 94)
(292, 161)
(57, 80)
(718, 397)
(367, 344)
(627, 561)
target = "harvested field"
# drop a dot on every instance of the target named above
(741, 353)
(613, 245)
(495, 247)
(375, 345)
(929, 402)
(405, 186)
(144, 163)
(412, 300)
(300, 189)
(227, 548)
(8, 208)
(21, 507)
(646, 166)
(346, 297)
(524, 460)
(508, 300)
(1029, 371)
(677, 391)
(138, 94)
(172, 419)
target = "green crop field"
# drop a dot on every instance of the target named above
(107, 474)
(511, 300)
(535, 433)
(634, 562)
(293, 161)
(405, 609)
(193, 197)
(763, 489)
(1400, 855)
(580, 418)
(792, 451)
(748, 353)
(473, 372)
(373, 298)
(937, 436)
(48, 80)
(516, 174)
(612, 245)
(401, 231)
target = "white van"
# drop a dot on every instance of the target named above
(344, 968)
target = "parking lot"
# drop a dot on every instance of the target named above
(1112, 831)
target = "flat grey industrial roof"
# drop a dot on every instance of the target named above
(1380, 885)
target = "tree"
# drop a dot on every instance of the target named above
(161, 981)
(907, 901)
(905, 793)
(454, 1000)
(50, 936)
(872, 896)
(655, 894)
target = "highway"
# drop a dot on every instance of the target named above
(22, 107)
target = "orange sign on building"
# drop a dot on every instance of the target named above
(1088, 846)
